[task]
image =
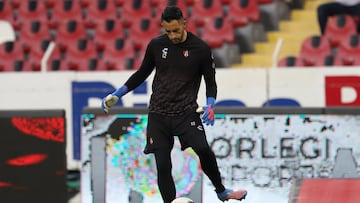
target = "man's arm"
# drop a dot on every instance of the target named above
(147, 66)
(211, 88)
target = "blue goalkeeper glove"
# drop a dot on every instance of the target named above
(208, 116)
(110, 100)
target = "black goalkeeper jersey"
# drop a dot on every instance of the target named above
(178, 72)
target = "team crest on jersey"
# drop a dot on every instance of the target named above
(186, 53)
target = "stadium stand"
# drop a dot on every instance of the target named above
(256, 40)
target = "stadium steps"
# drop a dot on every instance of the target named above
(302, 23)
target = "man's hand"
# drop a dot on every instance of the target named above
(108, 102)
(208, 116)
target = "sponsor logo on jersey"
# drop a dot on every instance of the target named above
(164, 52)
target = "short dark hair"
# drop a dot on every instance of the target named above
(171, 13)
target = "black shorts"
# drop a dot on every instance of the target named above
(161, 130)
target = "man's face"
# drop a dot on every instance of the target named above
(175, 30)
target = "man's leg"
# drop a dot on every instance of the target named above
(165, 180)
(210, 167)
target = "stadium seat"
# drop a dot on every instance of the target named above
(348, 53)
(191, 26)
(218, 32)
(12, 56)
(35, 31)
(290, 61)
(31, 10)
(99, 10)
(142, 31)
(339, 28)
(55, 59)
(35, 54)
(12, 50)
(314, 50)
(8, 65)
(107, 31)
(134, 10)
(69, 32)
(161, 4)
(66, 11)
(7, 12)
(240, 9)
(204, 10)
(81, 57)
(119, 54)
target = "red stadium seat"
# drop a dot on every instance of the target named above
(243, 11)
(133, 10)
(81, 57)
(100, 10)
(348, 53)
(11, 50)
(66, 11)
(7, 12)
(31, 10)
(339, 28)
(12, 56)
(119, 54)
(161, 4)
(55, 60)
(8, 65)
(314, 50)
(218, 32)
(69, 32)
(33, 32)
(203, 10)
(143, 30)
(290, 61)
(191, 26)
(107, 31)
(34, 54)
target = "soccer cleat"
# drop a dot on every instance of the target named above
(231, 194)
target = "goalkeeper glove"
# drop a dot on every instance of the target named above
(208, 116)
(111, 99)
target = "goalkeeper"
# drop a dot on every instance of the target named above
(180, 60)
